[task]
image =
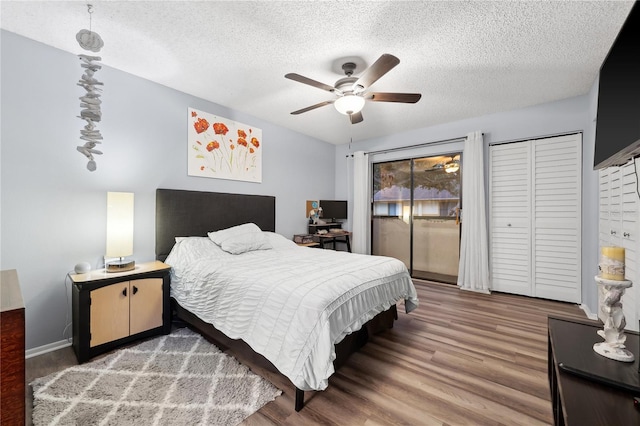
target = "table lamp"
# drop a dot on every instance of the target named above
(119, 231)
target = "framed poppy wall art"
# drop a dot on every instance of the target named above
(223, 149)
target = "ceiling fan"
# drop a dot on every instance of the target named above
(352, 91)
(449, 166)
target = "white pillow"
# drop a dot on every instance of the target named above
(240, 239)
(278, 241)
(187, 250)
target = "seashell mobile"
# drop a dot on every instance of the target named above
(90, 102)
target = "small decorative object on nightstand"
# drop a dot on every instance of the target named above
(82, 268)
(111, 308)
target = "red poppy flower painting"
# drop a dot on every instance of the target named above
(201, 125)
(220, 128)
(236, 158)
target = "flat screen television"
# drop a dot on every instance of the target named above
(618, 119)
(333, 210)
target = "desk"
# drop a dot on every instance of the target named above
(311, 244)
(583, 397)
(333, 238)
(315, 227)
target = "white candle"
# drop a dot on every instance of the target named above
(612, 263)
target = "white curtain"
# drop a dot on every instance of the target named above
(360, 220)
(473, 271)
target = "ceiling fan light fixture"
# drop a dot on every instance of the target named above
(349, 104)
(452, 167)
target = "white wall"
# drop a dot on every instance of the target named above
(565, 116)
(53, 210)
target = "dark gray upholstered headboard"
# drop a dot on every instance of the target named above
(182, 213)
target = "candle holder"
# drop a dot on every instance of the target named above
(614, 322)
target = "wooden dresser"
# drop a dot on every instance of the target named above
(12, 345)
(587, 388)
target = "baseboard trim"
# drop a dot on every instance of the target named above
(588, 312)
(49, 347)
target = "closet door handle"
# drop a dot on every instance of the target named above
(626, 234)
(124, 292)
(135, 289)
(613, 232)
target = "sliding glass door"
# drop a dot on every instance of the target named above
(391, 227)
(416, 205)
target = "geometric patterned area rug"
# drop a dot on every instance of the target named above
(177, 379)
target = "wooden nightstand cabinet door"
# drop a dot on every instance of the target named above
(109, 313)
(145, 306)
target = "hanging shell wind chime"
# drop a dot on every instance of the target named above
(90, 102)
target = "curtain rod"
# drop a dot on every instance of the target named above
(420, 145)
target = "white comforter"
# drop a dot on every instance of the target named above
(290, 304)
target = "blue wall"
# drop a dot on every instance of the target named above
(53, 211)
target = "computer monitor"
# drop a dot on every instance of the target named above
(333, 210)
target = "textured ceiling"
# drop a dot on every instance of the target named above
(467, 59)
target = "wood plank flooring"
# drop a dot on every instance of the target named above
(461, 358)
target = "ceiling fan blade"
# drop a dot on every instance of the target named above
(309, 108)
(355, 117)
(379, 68)
(409, 98)
(305, 80)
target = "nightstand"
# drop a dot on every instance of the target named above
(114, 308)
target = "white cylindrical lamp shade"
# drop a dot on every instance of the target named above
(119, 224)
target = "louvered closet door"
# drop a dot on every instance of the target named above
(604, 209)
(535, 202)
(615, 207)
(629, 228)
(610, 221)
(619, 227)
(510, 209)
(556, 225)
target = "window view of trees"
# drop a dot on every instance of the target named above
(436, 191)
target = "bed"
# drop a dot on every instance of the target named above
(301, 311)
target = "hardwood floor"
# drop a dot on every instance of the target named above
(461, 358)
